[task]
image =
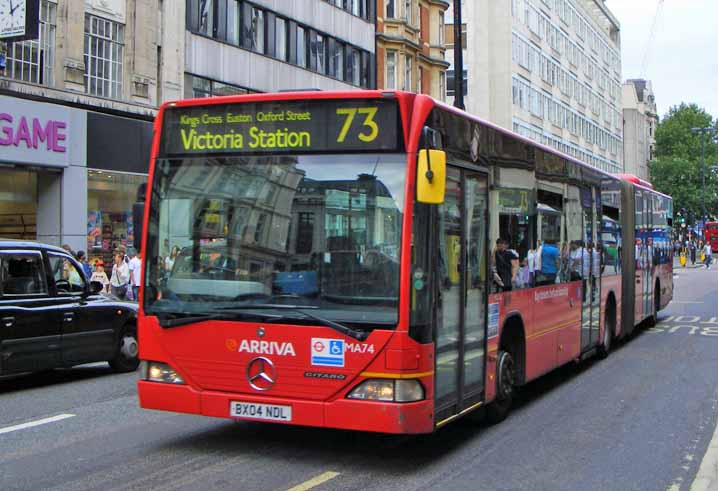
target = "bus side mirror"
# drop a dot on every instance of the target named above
(431, 177)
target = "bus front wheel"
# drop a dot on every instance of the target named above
(499, 408)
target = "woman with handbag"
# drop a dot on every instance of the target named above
(120, 278)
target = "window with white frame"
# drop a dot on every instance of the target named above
(408, 72)
(442, 27)
(442, 86)
(32, 60)
(391, 9)
(104, 49)
(391, 58)
(408, 12)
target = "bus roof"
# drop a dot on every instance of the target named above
(624, 177)
(287, 96)
(403, 98)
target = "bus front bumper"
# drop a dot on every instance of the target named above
(381, 417)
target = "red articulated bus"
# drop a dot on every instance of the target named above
(378, 261)
(711, 234)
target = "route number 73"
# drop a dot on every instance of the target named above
(350, 114)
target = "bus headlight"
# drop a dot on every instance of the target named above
(388, 390)
(160, 372)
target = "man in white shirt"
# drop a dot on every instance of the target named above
(709, 254)
(135, 267)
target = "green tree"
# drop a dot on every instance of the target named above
(676, 170)
(674, 137)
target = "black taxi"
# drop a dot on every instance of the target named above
(52, 316)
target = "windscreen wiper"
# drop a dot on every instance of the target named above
(341, 328)
(176, 319)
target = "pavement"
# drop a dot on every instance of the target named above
(643, 419)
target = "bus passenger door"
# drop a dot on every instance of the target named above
(644, 287)
(590, 287)
(648, 253)
(460, 329)
(475, 291)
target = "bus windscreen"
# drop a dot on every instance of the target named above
(309, 126)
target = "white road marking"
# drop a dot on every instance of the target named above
(707, 477)
(315, 481)
(38, 422)
(684, 301)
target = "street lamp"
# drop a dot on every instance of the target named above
(703, 131)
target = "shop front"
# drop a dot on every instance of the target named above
(69, 175)
(42, 146)
(110, 197)
(118, 154)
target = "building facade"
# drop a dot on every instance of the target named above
(411, 47)
(236, 46)
(77, 103)
(549, 70)
(640, 119)
(76, 111)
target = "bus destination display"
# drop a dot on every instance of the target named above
(282, 127)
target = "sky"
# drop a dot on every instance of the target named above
(682, 61)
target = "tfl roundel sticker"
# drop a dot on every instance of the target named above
(328, 352)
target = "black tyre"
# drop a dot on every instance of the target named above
(653, 319)
(500, 407)
(609, 328)
(126, 358)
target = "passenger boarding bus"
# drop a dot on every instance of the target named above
(379, 261)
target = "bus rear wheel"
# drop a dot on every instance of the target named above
(653, 320)
(609, 326)
(499, 408)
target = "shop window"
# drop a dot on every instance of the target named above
(18, 205)
(110, 198)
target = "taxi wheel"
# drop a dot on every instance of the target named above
(127, 356)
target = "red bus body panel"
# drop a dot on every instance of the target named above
(208, 357)
(711, 235)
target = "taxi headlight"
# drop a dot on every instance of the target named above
(388, 390)
(160, 372)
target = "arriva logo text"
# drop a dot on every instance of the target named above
(266, 348)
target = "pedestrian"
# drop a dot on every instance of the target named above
(170, 260)
(503, 259)
(120, 278)
(135, 267)
(549, 262)
(100, 276)
(692, 247)
(85, 265)
(68, 249)
(708, 254)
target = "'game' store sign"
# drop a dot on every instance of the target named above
(42, 134)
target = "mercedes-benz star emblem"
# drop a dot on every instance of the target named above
(261, 373)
